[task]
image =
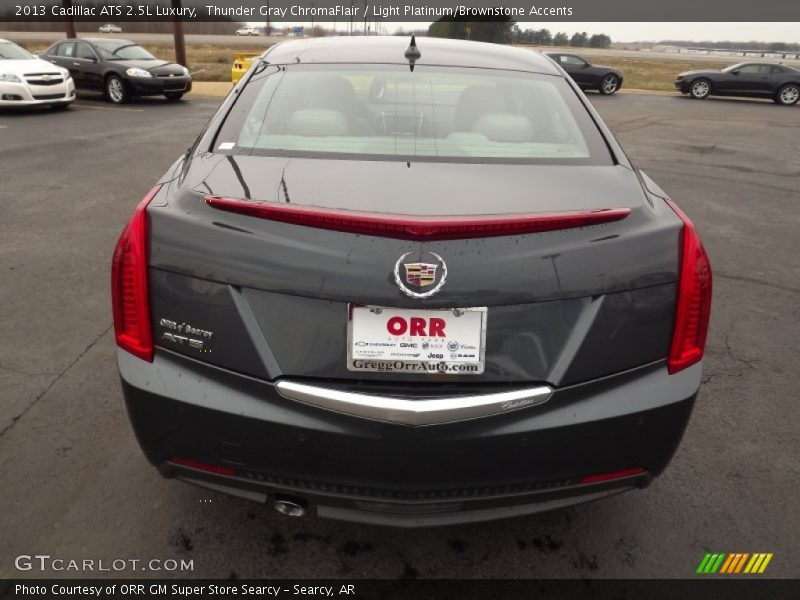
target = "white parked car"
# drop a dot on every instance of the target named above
(248, 30)
(109, 28)
(28, 81)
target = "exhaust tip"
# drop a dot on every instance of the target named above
(289, 507)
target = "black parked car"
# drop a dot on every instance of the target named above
(118, 68)
(755, 80)
(606, 80)
(409, 296)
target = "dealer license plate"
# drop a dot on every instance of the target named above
(400, 340)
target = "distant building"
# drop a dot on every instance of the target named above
(791, 55)
(668, 49)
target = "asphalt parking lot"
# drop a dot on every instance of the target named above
(73, 482)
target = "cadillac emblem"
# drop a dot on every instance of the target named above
(417, 276)
(420, 274)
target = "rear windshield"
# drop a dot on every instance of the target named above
(387, 112)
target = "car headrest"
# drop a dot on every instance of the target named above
(505, 127)
(473, 102)
(331, 92)
(317, 122)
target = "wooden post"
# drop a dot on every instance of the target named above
(177, 32)
(69, 24)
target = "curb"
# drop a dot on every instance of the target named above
(645, 92)
(210, 89)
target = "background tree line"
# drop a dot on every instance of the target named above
(543, 37)
(498, 30)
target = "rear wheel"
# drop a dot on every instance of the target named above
(173, 96)
(609, 85)
(116, 90)
(700, 89)
(788, 94)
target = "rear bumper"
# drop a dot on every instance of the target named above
(352, 468)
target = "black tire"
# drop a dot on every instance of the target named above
(173, 96)
(609, 85)
(116, 90)
(700, 89)
(788, 95)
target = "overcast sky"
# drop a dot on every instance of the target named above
(633, 32)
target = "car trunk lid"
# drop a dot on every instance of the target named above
(563, 306)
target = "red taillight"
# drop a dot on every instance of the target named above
(614, 475)
(129, 289)
(193, 464)
(419, 228)
(694, 299)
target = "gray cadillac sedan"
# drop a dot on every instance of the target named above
(409, 283)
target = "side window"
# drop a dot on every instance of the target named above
(67, 50)
(575, 61)
(750, 70)
(775, 70)
(85, 51)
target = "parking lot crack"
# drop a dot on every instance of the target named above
(732, 354)
(55, 380)
(23, 372)
(743, 279)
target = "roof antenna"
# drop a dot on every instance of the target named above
(412, 53)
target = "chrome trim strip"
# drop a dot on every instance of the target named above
(413, 412)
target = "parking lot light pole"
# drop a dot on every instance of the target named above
(177, 32)
(69, 24)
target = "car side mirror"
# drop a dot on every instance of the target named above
(736, 72)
